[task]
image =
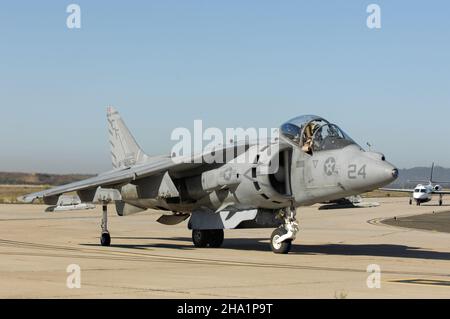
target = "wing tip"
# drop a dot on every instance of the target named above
(27, 199)
(24, 199)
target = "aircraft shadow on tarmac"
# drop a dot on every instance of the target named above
(261, 244)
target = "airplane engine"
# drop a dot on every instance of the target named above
(257, 176)
(437, 188)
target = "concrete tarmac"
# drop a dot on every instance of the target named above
(329, 259)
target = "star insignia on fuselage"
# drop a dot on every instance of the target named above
(330, 166)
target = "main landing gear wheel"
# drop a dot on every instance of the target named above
(410, 202)
(418, 203)
(207, 238)
(216, 237)
(280, 247)
(440, 203)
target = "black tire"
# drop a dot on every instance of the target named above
(410, 202)
(282, 248)
(200, 238)
(216, 237)
(440, 203)
(105, 240)
(418, 203)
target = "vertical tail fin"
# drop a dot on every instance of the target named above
(125, 152)
(432, 172)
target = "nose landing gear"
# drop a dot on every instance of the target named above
(281, 239)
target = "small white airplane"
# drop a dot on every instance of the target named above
(423, 193)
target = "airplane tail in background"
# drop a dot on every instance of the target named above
(432, 172)
(125, 151)
(431, 181)
(432, 177)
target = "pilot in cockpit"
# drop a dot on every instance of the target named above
(294, 133)
(308, 136)
(314, 134)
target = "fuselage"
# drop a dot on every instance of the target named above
(423, 193)
(329, 167)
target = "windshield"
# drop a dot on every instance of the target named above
(330, 137)
(315, 134)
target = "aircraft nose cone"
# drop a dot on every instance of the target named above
(387, 174)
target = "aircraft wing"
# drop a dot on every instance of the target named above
(131, 163)
(126, 175)
(441, 192)
(111, 178)
(397, 190)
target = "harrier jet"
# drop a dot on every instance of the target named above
(315, 162)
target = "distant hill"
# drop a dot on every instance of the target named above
(421, 173)
(7, 178)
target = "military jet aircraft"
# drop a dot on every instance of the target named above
(423, 193)
(317, 162)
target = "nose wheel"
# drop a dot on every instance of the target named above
(281, 239)
(280, 247)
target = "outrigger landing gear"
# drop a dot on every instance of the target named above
(281, 239)
(105, 238)
(105, 196)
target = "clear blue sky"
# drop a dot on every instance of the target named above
(165, 63)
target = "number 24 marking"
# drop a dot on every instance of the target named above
(353, 171)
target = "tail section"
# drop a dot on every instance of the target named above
(432, 172)
(432, 177)
(431, 181)
(125, 151)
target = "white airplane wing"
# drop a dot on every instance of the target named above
(441, 192)
(397, 190)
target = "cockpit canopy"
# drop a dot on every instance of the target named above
(314, 134)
